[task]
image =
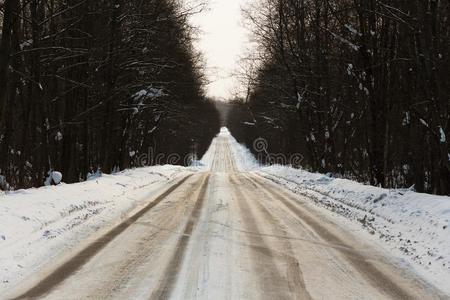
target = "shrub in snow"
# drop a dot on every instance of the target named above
(196, 163)
(53, 178)
(94, 175)
(4, 186)
(56, 177)
(115, 169)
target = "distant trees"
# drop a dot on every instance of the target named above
(360, 87)
(93, 84)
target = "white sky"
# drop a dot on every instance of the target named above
(222, 40)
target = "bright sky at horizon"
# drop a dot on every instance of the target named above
(222, 41)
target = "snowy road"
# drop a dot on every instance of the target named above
(225, 234)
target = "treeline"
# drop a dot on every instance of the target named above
(90, 85)
(360, 88)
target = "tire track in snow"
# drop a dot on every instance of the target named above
(66, 269)
(375, 276)
(171, 273)
(294, 274)
(269, 276)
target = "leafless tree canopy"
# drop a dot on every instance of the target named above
(360, 87)
(91, 84)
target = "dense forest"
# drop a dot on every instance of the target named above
(91, 85)
(361, 88)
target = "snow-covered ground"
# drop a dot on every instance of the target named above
(412, 226)
(39, 225)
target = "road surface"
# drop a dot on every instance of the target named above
(225, 234)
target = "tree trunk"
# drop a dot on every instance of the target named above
(9, 16)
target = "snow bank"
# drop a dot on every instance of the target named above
(38, 225)
(244, 158)
(208, 157)
(53, 178)
(411, 225)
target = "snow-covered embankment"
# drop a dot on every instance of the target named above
(39, 225)
(414, 227)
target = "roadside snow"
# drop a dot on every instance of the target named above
(412, 226)
(39, 225)
(208, 157)
(243, 158)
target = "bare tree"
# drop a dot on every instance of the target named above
(357, 86)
